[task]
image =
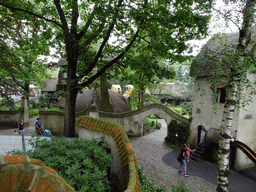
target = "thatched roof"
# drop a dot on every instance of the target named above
(50, 85)
(212, 52)
(85, 101)
(171, 89)
(62, 62)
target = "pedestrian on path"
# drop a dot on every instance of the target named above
(188, 150)
(21, 127)
(39, 127)
(183, 163)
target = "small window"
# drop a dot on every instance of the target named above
(221, 95)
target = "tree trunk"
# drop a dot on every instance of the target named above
(238, 71)
(70, 102)
(224, 137)
(105, 101)
(26, 92)
(70, 114)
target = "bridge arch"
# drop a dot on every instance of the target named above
(132, 121)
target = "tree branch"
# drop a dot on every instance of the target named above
(62, 16)
(90, 39)
(88, 23)
(104, 42)
(226, 17)
(75, 15)
(115, 60)
(31, 13)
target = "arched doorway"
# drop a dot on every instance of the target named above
(200, 134)
(152, 123)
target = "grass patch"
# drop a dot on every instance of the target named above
(33, 112)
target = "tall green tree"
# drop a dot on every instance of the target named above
(20, 45)
(80, 24)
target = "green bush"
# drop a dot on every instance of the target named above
(187, 106)
(82, 163)
(33, 112)
(147, 185)
(52, 109)
(179, 110)
(149, 123)
(182, 187)
(177, 134)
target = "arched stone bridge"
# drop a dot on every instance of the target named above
(132, 121)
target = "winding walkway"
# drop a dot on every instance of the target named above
(161, 167)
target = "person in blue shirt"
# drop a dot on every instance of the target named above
(39, 127)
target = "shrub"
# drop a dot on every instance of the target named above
(187, 106)
(147, 185)
(177, 134)
(182, 187)
(179, 110)
(82, 163)
(33, 112)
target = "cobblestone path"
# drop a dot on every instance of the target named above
(149, 151)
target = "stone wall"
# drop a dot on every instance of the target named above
(131, 121)
(11, 119)
(53, 121)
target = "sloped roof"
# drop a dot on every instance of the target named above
(172, 89)
(85, 101)
(62, 62)
(50, 84)
(206, 60)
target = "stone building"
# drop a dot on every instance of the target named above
(207, 111)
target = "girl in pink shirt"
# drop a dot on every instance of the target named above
(188, 150)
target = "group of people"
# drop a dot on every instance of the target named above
(38, 127)
(183, 158)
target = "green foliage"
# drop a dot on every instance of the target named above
(179, 110)
(48, 101)
(7, 104)
(187, 106)
(152, 116)
(33, 112)
(177, 134)
(147, 185)
(150, 122)
(52, 109)
(82, 163)
(15, 152)
(182, 187)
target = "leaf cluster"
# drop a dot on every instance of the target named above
(177, 133)
(82, 163)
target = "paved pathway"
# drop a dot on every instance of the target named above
(9, 142)
(160, 165)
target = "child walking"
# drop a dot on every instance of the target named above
(188, 150)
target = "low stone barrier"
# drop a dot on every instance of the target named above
(20, 173)
(130, 179)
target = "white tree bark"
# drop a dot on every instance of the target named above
(237, 73)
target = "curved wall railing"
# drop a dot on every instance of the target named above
(130, 178)
(20, 173)
(145, 108)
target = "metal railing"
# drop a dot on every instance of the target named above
(212, 134)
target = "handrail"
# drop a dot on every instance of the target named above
(217, 129)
